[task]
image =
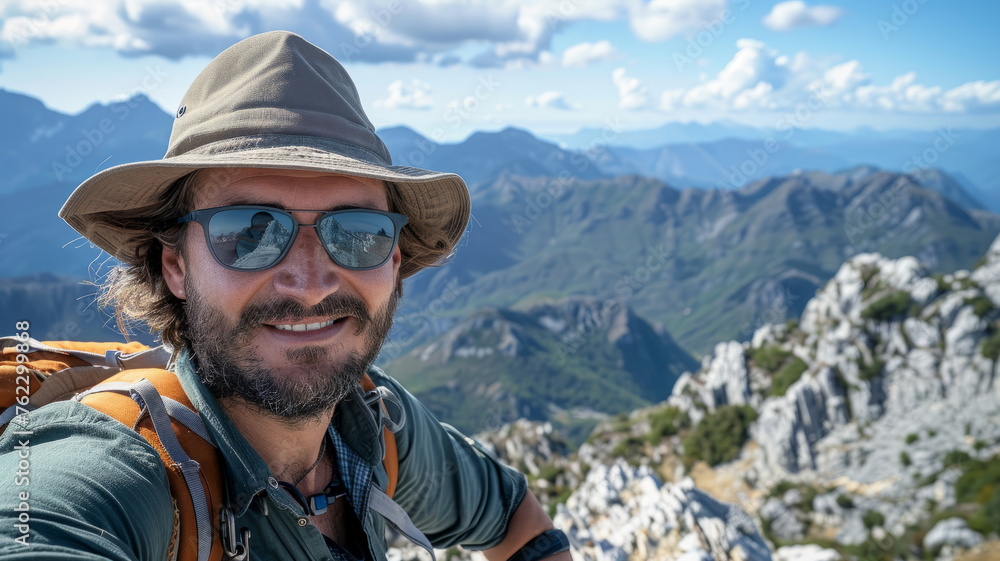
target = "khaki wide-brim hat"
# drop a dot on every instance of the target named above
(273, 100)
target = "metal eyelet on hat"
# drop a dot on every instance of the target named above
(181, 111)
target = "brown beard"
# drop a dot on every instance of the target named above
(230, 367)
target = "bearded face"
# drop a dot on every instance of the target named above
(313, 379)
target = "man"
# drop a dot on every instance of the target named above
(270, 341)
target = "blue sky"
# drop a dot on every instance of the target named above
(449, 67)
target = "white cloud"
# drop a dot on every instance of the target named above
(583, 54)
(972, 97)
(632, 94)
(412, 95)
(795, 14)
(760, 78)
(351, 30)
(659, 20)
(747, 81)
(549, 100)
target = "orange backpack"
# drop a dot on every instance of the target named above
(128, 382)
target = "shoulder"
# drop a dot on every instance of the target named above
(68, 443)
(70, 436)
(88, 476)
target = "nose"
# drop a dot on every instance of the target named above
(307, 273)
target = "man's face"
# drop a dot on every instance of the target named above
(234, 316)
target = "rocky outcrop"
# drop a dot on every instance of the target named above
(898, 375)
(624, 513)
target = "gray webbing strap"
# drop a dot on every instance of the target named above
(397, 517)
(36, 345)
(175, 409)
(156, 357)
(145, 393)
(387, 408)
(11, 412)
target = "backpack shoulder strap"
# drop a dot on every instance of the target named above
(153, 402)
(391, 459)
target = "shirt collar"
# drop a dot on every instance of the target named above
(246, 474)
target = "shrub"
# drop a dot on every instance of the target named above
(844, 501)
(781, 488)
(941, 285)
(979, 445)
(808, 495)
(980, 481)
(912, 437)
(769, 358)
(788, 375)
(629, 448)
(887, 307)
(986, 520)
(549, 472)
(872, 518)
(667, 423)
(980, 484)
(720, 435)
(981, 305)
(904, 459)
(871, 370)
(957, 458)
(991, 346)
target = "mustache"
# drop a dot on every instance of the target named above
(336, 305)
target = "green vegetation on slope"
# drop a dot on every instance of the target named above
(720, 435)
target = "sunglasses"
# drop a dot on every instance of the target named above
(254, 238)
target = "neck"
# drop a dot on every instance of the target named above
(288, 448)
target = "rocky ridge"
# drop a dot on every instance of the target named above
(870, 429)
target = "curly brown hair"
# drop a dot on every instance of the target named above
(138, 293)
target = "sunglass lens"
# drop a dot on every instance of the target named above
(249, 239)
(358, 240)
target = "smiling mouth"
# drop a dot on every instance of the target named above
(307, 326)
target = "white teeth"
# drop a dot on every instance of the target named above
(306, 326)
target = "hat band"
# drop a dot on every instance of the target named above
(265, 147)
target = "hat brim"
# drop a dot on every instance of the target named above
(439, 201)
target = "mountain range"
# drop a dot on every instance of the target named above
(706, 264)
(547, 222)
